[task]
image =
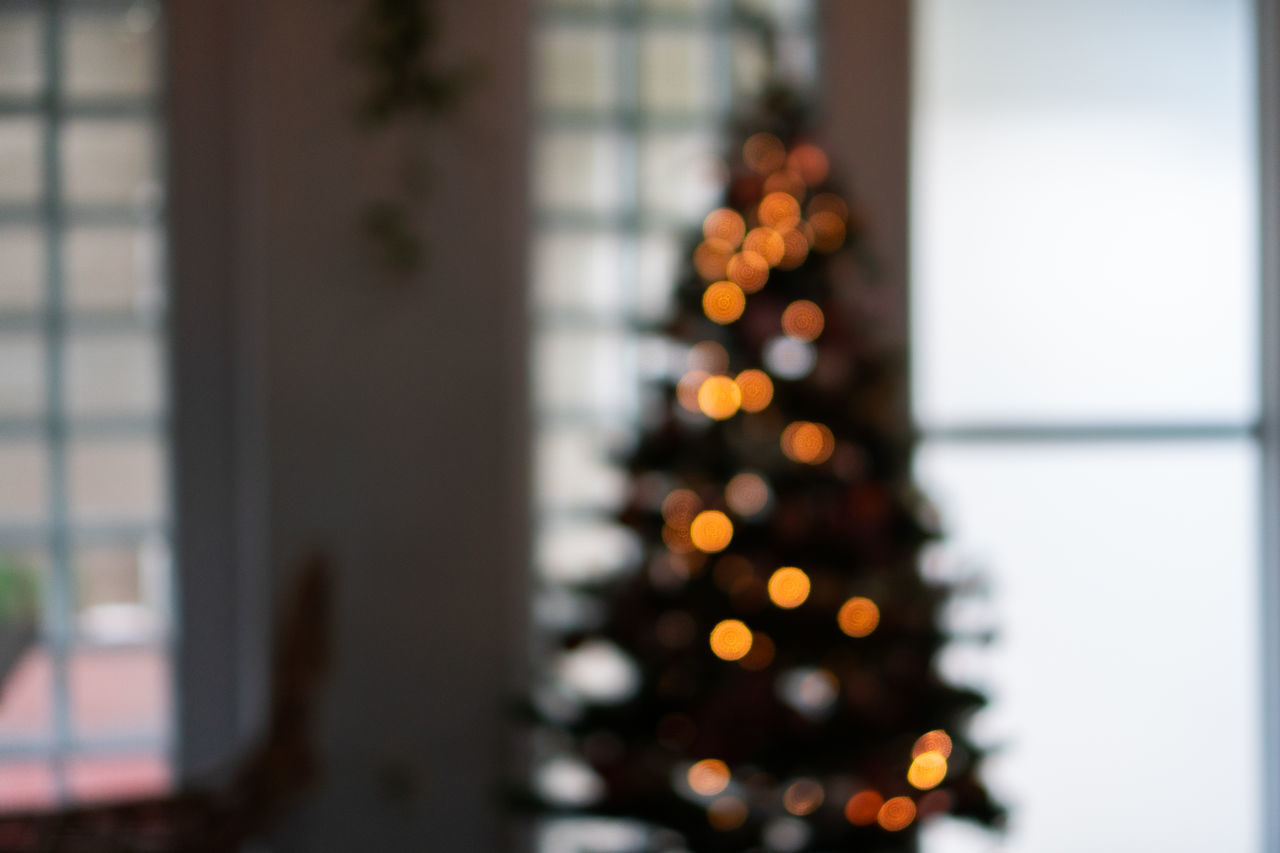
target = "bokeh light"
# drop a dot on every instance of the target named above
(748, 270)
(723, 302)
(863, 808)
(711, 531)
(725, 225)
(810, 162)
(764, 153)
(896, 813)
(708, 777)
(680, 506)
(687, 389)
(785, 181)
(779, 211)
(803, 797)
(711, 258)
(828, 203)
(756, 388)
(789, 358)
(828, 231)
(747, 493)
(731, 640)
(761, 653)
(803, 320)
(766, 243)
(727, 813)
(811, 692)
(935, 741)
(795, 249)
(858, 616)
(788, 587)
(719, 397)
(927, 770)
(709, 356)
(806, 442)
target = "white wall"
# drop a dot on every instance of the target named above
(319, 405)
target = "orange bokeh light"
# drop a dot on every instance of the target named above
(779, 210)
(727, 813)
(761, 654)
(897, 813)
(803, 320)
(756, 388)
(677, 539)
(858, 616)
(935, 741)
(711, 258)
(828, 231)
(786, 181)
(709, 356)
(807, 442)
(764, 153)
(810, 162)
(747, 493)
(709, 777)
(711, 531)
(927, 770)
(725, 225)
(796, 249)
(679, 507)
(863, 807)
(719, 397)
(748, 270)
(803, 797)
(828, 203)
(788, 587)
(731, 640)
(766, 243)
(723, 302)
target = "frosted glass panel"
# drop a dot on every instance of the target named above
(680, 174)
(677, 70)
(22, 374)
(20, 156)
(110, 53)
(579, 272)
(1125, 675)
(22, 272)
(113, 375)
(587, 370)
(1083, 197)
(19, 53)
(112, 268)
(577, 67)
(579, 171)
(117, 481)
(109, 162)
(24, 491)
(573, 469)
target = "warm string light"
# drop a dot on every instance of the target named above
(724, 225)
(803, 320)
(731, 640)
(858, 616)
(749, 270)
(927, 770)
(708, 777)
(764, 153)
(756, 388)
(863, 808)
(767, 243)
(723, 302)
(747, 494)
(789, 587)
(806, 442)
(803, 797)
(711, 531)
(935, 741)
(719, 397)
(896, 814)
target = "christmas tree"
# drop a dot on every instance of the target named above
(782, 638)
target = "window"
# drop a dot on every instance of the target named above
(1085, 349)
(83, 457)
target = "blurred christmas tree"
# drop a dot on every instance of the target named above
(784, 691)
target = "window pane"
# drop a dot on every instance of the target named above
(680, 174)
(112, 268)
(116, 481)
(24, 471)
(121, 591)
(676, 70)
(22, 374)
(107, 161)
(113, 374)
(27, 785)
(110, 52)
(579, 171)
(20, 154)
(22, 272)
(1084, 191)
(19, 53)
(580, 272)
(26, 702)
(1125, 674)
(573, 469)
(117, 777)
(119, 692)
(587, 371)
(577, 67)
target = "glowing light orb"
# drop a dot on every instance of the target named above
(748, 270)
(766, 243)
(803, 320)
(724, 225)
(927, 770)
(806, 442)
(858, 616)
(828, 231)
(935, 741)
(863, 808)
(711, 258)
(828, 203)
(896, 813)
(764, 153)
(756, 388)
(761, 654)
(795, 248)
(731, 640)
(679, 507)
(785, 181)
(779, 211)
(810, 162)
(708, 777)
(747, 493)
(811, 692)
(709, 356)
(803, 797)
(723, 302)
(687, 389)
(788, 587)
(727, 813)
(789, 358)
(711, 531)
(677, 539)
(719, 397)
